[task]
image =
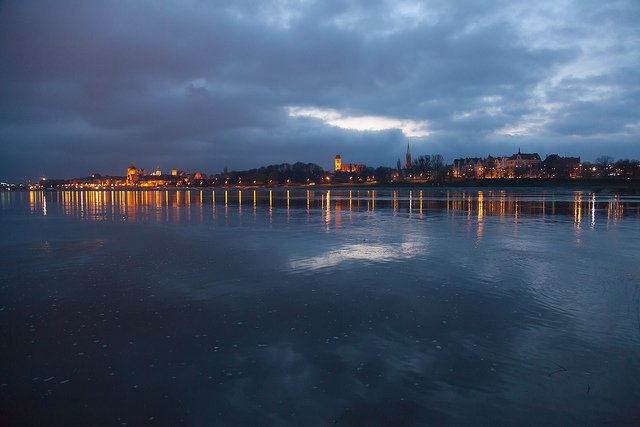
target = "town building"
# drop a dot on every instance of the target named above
(523, 165)
(519, 165)
(348, 167)
(555, 166)
(469, 168)
(134, 174)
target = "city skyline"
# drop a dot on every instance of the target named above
(338, 163)
(202, 86)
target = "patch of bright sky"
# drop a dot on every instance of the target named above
(395, 17)
(492, 108)
(490, 111)
(529, 124)
(410, 128)
(278, 13)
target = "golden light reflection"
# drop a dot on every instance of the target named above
(395, 203)
(255, 206)
(476, 206)
(213, 202)
(32, 201)
(577, 208)
(327, 217)
(270, 206)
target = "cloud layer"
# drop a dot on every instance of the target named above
(92, 86)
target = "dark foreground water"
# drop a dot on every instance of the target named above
(309, 308)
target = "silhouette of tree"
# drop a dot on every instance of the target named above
(604, 160)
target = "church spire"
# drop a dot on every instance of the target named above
(407, 160)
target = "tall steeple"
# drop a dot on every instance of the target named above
(407, 160)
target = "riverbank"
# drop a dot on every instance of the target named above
(595, 185)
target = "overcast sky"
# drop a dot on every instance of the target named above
(91, 86)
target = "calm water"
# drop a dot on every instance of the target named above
(308, 308)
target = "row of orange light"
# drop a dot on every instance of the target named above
(86, 201)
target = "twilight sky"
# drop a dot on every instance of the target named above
(91, 86)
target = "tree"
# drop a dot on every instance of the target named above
(437, 164)
(422, 164)
(604, 161)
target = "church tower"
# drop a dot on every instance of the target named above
(338, 163)
(407, 160)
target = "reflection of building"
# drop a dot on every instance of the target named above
(348, 167)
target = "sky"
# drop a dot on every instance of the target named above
(92, 86)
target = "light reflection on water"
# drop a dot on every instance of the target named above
(160, 204)
(315, 306)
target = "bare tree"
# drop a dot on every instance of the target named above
(437, 162)
(604, 160)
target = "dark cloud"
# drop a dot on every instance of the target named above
(93, 86)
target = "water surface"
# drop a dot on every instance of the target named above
(369, 307)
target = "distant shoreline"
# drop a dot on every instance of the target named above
(495, 183)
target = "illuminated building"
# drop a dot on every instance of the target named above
(348, 167)
(523, 165)
(469, 167)
(519, 165)
(134, 174)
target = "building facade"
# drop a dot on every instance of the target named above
(348, 167)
